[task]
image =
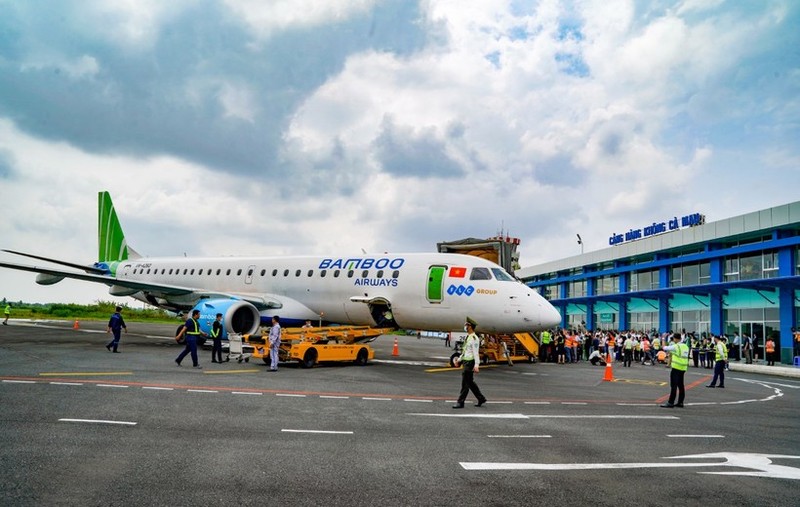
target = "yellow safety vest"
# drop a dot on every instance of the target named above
(680, 357)
(196, 328)
(466, 355)
(721, 352)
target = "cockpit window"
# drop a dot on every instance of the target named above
(501, 275)
(480, 274)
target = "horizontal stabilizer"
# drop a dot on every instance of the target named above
(88, 269)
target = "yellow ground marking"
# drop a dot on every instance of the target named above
(206, 372)
(450, 368)
(85, 374)
(642, 382)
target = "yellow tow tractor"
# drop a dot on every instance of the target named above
(311, 345)
(503, 348)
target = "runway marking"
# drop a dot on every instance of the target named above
(476, 416)
(158, 388)
(325, 432)
(84, 374)
(537, 402)
(330, 397)
(499, 402)
(99, 421)
(755, 465)
(737, 402)
(417, 401)
(246, 392)
(201, 391)
(66, 383)
(451, 368)
(519, 436)
(112, 385)
(696, 436)
(636, 404)
(290, 395)
(641, 382)
(220, 372)
(20, 381)
(574, 403)
(375, 399)
(406, 363)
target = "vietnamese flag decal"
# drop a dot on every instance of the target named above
(457, 272)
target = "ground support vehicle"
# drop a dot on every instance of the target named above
(308, 346)
(505, 348)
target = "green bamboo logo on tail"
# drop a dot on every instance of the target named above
(110, 238)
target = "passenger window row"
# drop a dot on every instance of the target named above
(322, 273)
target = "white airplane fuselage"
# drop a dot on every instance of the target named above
(419, 291)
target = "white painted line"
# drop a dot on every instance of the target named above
(636, 404)
(326, 432)
(201, 391)
(418, 401)
(66, 383)
(290, 395)
(111, 385)
(499, 402)
(99, 421)
(696, 436)
(602, 417)
(573, 403)
(20, 381)
(245, 392)
(519, 436)
(376, 399)
(159, 388)
(702, 403)
(537, 402)
(477, 416)
(328, 397)
(737, 402)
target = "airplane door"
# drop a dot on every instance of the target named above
(435, 288)
(249, 278)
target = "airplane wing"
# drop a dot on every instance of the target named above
(88, 269)
(125, 287)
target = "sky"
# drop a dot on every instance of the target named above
(284, 127)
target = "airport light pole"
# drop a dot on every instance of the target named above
(580, 242)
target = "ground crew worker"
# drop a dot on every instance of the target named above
(274, 343)
(7, 312)
(628, 352)
(770, 348)
(115, 325)
(546, 338)
(191, 329)
(680, 363)
(721, 356)
(216, 335)
(595, 358)
(656, 348)
(469, 359)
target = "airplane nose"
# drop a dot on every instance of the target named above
(550, 316)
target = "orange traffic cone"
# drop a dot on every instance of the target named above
(609, 375)
(76, 325)
(395, 350)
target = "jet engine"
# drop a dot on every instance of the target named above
(237, 316)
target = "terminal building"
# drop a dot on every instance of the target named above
(739, 275)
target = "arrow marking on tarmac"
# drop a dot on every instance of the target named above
(759, 465)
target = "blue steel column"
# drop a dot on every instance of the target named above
(562, 294)
(663, 301)
(715, 298)
(590, 304)
(786, 263)
(623, 305)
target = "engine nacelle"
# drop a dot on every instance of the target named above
(237, 316)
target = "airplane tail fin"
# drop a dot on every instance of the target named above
(110, 238)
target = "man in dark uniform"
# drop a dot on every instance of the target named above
(470, 357)
(115, 325)
(216, 335)
(192, 330)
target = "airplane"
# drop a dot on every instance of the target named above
(430, 291)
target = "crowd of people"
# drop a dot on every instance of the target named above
(566, 346)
